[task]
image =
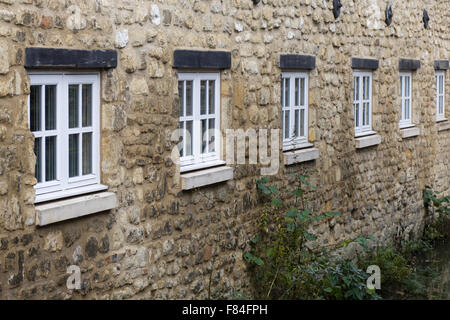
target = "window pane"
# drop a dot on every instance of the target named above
(87, 153)
(50, 158)
(38, 153)
(296, 123)
(73, 155)
(35, 108)
(203, 137)
(357, 114)
(356, 89)
(302, 123)
(212, 85)
(366, 88)
(189, 97)
(367, 114)
(87, 105)
(401, 86)
(181, 96)
(441, 84)
(364, 114)
(73, 106)
(211, 146)
(189, 136)
(203, 93)
(441, 104)
(282, 92)
(297, 89)
(287, 92)
(286, 124)
(182, 138)
(407, 111)
(302, 91)
(407, 85)
(50, 107)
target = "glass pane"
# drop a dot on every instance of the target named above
(87, 105)
(203, 138)
(302, 123)
(364, 114)
(296, 123)
(211, 146)
(38, 153)
(181, 143)
(189, 136)
(401, 86)
(212, 86)
(441, 104)
(50, 158)
(408, 81)
(367, 114)
(73, 106)
(356, 88)
(87, 153)
(441, 84)
(286, 124)
(73, 155)
(297, 84)
(282, 92)
(286, 92)
(203, 96)
(189, 97)
(303, 91)
(181, 96)
(366, 88)
(357, 114)
(50, 107)
(408, 109)
(35, 108)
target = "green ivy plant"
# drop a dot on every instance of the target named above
(284, 258)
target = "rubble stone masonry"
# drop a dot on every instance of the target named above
(161, 242)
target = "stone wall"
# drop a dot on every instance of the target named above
(161, 242)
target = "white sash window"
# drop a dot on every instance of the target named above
(294, 103)
(406, 102)
(199, 120)
(64, 116)
(362, 102)
(440, 95)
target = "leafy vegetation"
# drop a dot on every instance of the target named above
(286, 262)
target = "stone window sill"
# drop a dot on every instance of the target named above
(410, 132)
(367, 141)
(197, 179)
(71, 208)
(444, 125)
(299, 156)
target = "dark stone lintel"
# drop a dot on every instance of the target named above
(408, 64)
(195, 59)
(70, 58)
(360, 63)
(296, 61)
(441, 65)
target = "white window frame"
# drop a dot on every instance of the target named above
(200, 160)
(405, 100)
(64, 186)
(440, 115)
(361, 128)
(294, 104)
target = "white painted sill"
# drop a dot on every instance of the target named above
(410, 132)
(62, 210)
(367, 141)
(443, 125)
(197, 179)
(70, 193)
(299, 156)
